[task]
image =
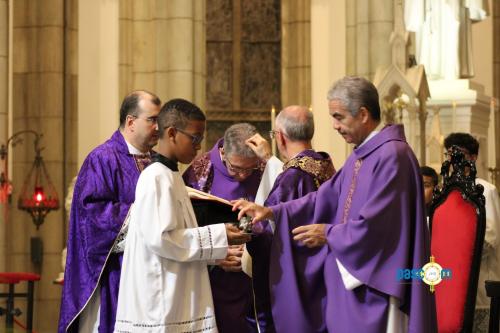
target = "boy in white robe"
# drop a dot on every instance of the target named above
(164, 284)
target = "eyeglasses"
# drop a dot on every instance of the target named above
(196, 140)
(272, 134)
(151, 120)
(239, 170)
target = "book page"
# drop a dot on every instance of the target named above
(196, 194)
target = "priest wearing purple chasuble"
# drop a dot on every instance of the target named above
(288, 277)
(370, 218)
(103, 193)
(231, 170)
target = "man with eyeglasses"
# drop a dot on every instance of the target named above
(490, 260)
(230, 170)
(103, 193)
(287, 278)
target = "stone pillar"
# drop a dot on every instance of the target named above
(369, 27)
(38, 104)
(328, 64)
(98, 100)
(162, 48)
(296, 52)
(4, 111)
(496, 86)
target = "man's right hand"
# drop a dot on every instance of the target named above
(235, 236)
(260, 147)
(258, 213)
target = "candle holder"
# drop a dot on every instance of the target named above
(38, 195)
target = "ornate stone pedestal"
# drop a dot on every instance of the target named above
(461, 106)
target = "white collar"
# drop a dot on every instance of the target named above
(375, 131)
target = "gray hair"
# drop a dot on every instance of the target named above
(297, 127)
(235, 137)
(355, 92)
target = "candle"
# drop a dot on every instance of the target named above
(273, 120)
(454, 116)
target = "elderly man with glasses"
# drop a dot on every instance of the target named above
(231, 170)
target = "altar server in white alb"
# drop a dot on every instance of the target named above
(164, 284)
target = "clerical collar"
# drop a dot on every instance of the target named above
(165, 161)
(132, 150)
(377, 130)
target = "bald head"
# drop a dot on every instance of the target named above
(296, 122)
(132, 104)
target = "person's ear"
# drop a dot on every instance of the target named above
(170, 133)
(281, 139)
(130, 122)
(364, 114)
(221, 151)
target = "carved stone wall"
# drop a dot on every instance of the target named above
(243, 63)
(44, 92)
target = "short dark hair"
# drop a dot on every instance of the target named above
(464, 141)
(177, 113)
(355, 92)
(130, 104)
(430, 172)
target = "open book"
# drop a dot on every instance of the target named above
(199, 195)
(210, 209)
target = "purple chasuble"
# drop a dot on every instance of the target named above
(104, 191)
(232, 292)
(294, 273)
(375, 213)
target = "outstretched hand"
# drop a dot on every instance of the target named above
(311, 235)
(260, 147)
(235, 236)
(258, 213)
(232, 262)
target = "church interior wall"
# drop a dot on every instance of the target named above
(73, 61)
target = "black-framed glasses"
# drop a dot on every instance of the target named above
(152, 120)
(239, 170)
(196, 140)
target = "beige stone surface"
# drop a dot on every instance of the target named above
(143, 44)
(180, 32)
(143, 81)
(181, 84)
(180, 8)
(50, 51)
(142, 9)
(52, 13)
(51, 94)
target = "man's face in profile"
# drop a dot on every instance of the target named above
(428, 189)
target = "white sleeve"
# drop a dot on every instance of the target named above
(161, 213)
(492, 216)
(350, 282)
(273, 168)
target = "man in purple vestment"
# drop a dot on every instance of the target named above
(371, 218)
(288, 277)
(231, 170)
(103, 193)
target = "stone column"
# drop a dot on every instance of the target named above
(369, 27)
(162, 48)
(328, 64)
(98, 100)
(38, 104)
(296, 52)
(496, 86)
(4, 111)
